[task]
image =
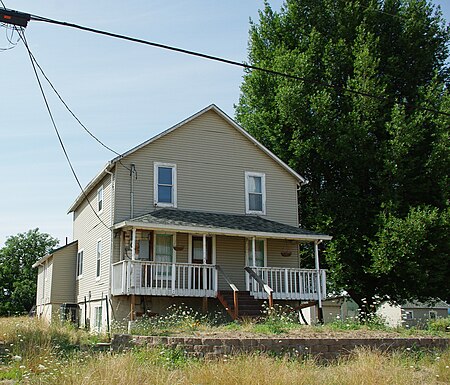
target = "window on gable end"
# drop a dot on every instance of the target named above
(165, 185)
(255, 193)
(98, 259)
(80, 263)
(100, 199)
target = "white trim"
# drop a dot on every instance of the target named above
(221, 231)
(211, 107)
(156, 202)
(247, 251)
(100, 190)
(213, 246)
(174, 242)
(90, 186)
(78, 276)
(98, 260)
(411, 313)
(44, 258)
(263, 192)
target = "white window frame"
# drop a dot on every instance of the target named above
(100, 200)
(263, 192)
(174, 252)
(409, 315)
(248, 243)
(173, 166)
(213, 246)
(98, 259)
(78, 272)
(434, 312)
(98, 313)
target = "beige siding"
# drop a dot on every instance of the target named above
(87, 230)
(211, 158)
(274, 257)
(40, 286)
(63, 275)
(230, 252)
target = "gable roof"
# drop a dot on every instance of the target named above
(211, 107)
(220, 223)
(45, 257)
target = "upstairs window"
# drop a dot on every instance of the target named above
(100, 199)
(255, 193)
(165, 185)
(99, 258)
(80, 263)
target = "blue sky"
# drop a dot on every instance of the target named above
(124, 93)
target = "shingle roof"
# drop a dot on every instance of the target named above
(208, 220)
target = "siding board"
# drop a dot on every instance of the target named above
(211, 158)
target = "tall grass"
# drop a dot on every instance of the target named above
(50, 355)
(147, 367)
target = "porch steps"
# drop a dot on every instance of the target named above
(248, 306)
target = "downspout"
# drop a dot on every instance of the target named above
(111, 244)
(319, 288)
(132, 175)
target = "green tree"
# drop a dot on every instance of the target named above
(368, 159)
(17, 277)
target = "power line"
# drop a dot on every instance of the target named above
(230, 62)
(22, 36)
(72, 113)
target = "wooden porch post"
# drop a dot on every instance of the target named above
(132, 308)
(205, 284)
(133, 244)
(319, 286)
(254, 250)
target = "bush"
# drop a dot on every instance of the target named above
(439, 325)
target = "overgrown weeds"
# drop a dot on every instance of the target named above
(36, 353)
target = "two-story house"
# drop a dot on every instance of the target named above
(202, 214)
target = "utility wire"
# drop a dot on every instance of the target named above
(231, 62)
(68, 108)
(73, 114)
(22, 36)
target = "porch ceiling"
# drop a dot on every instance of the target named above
(218, 223)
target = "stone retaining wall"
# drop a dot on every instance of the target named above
(327, 348)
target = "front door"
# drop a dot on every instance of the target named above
(198, 276)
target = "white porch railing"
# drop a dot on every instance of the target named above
(164, 279)
(287, 283)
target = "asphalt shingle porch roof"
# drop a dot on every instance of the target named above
(231, 224)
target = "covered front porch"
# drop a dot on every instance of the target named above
(176, 253)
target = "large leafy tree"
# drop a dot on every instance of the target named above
(362, 127)
(17, 277)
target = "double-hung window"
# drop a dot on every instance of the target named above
(260, 253)
(165, 185)
(99, 258)
(255, 193)
(100, 199)
(164, 253)
(80, 263)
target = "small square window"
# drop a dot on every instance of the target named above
(432, 314)
(409, 314)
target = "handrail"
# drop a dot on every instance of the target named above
(233, 287)
(231, 284)
(258, 279)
